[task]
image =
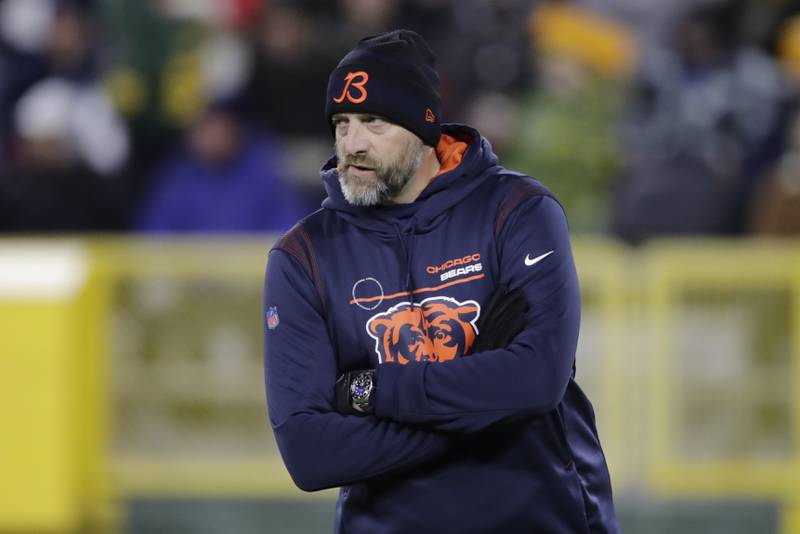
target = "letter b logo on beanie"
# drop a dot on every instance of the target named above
(349, 82)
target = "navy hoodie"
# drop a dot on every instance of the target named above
(497, 441)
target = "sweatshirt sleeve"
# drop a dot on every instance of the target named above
(320, 447)
(527, 378)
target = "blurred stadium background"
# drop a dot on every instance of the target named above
(151, 151)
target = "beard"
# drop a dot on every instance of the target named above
(387, 180)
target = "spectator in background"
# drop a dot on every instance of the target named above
(224, 178)
(170, 60)
(567, 127)
(704, 122)
(39, 39)
(291, 48)
(63, 148)
(68, 148)
(486, 59)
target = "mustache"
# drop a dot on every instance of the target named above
(358, 161)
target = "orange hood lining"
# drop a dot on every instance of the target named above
(449, 151)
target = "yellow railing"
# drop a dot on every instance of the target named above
(140, 373)
(750, 268)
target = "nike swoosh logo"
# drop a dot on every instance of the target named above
(529, 262)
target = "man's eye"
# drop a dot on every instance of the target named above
(375, 121)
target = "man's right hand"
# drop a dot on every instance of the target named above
(502, 319)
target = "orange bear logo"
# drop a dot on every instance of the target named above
(437, 329)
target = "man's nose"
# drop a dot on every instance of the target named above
(355, 140)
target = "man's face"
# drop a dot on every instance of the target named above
(376, 158)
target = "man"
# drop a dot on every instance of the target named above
(421, 327)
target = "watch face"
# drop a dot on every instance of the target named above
(361, 386)
(361, 392)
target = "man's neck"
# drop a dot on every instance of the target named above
(429, 167)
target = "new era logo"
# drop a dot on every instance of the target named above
(429, 116)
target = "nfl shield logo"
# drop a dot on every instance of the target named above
(272, 318)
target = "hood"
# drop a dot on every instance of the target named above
(447, 189)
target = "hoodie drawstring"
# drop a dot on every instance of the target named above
(409, 264)
(408, 252)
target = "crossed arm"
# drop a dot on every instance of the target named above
(322, 448)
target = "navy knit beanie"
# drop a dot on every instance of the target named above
(393, 75)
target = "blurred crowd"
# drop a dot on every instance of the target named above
(646, 118)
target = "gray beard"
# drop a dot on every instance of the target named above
(388, 182)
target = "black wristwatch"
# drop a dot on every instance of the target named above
(362, 386)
